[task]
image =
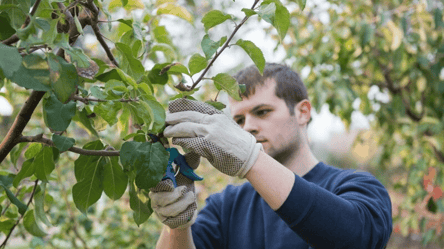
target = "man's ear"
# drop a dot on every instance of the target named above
(303, 111)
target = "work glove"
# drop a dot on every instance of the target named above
(200, 128)
(176, 207)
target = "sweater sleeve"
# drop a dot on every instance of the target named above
(355, 213)
(206, 230)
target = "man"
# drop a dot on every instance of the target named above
(291, 200)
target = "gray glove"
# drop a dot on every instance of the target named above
(176, 207)
(206, 131)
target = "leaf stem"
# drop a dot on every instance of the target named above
(222, 49)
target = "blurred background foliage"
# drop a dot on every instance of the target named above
(381, 61)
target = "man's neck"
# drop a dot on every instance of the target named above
(302, 161)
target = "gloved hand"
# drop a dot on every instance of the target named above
(176, 207)
(201, 128)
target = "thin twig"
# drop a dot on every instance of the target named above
(41, 139)
(95, 27)
(3, 245)
(222, 49)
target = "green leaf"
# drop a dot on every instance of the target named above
(33, 73)
(242, 88)
(6, 30)
(210, 47)
(27, 170)
(97, 92)
(166, 49)
(44, 164)
(78, 25)
(149, 160)
(16, 152)
(10, 61)
(18, 15)
(32, 150)
(249, 12)
(64, 77)
(78, 56)
(63, 143)
(132, 66)
(281, 20)
(57, 115)
(108, 111)
(31, 225)
(217, 105)
(161, 35)
(142, 209)
(117, 74)
(84, 161)
(178, 68)
(115, 180)
(301, 4)
(197, 63)
(39, 202)
(267, 12)
(82, 118)
(156, 111)
(155, 77)
(229, 84)
(89, 190)
(176, 10)
(254, 52)
(214, 18)
(20, 205)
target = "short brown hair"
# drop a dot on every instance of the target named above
(289, 85)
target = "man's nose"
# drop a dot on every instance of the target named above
(251, 125)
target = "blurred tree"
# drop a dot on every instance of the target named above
(387, 56)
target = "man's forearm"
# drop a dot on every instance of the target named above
(271, 180)
(175, 238)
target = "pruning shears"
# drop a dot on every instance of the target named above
(177, 164)
(181, 166)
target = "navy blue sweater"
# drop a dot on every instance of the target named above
(327, 208)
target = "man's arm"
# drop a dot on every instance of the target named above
(271, 180)
(357, 215)
(175, 238)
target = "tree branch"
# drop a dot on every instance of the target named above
(222, 49)
(14, 38)
(95, 27)
(3, 245)
(41, 139)
(19, 124)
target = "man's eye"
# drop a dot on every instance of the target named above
(239, 121)
(262, 112)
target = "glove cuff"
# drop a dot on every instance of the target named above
(256, 148)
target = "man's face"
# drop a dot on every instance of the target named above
(267, 117)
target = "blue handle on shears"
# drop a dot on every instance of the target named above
(184, 168)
